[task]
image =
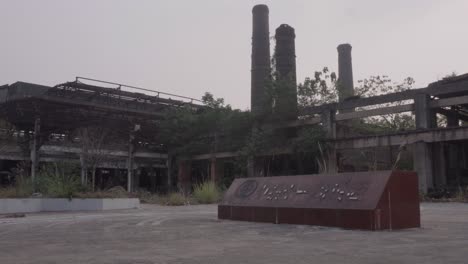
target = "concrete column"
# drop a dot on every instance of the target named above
(422, 111)
(439, 165)
(422, 158)
(329, 124)
(422, 154)
(169, 164)
(345, 73)
(136, 180)
(285, 63)
(216, 170)
(35, 145)
(184, 175)
(213, 170)
(131, 150)
(83, 169)
(261, 68)
(251, 167)
(452, 119)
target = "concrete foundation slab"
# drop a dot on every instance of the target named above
(192, 234)
(31, 205)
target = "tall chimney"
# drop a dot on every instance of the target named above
(285, 62)
(260, 59)
(345, 72)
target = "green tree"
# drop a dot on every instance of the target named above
(323, 89)
(216, 127)
(376, 85)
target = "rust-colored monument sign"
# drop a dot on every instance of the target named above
(377, 200)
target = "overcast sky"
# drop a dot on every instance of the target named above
(189, 47)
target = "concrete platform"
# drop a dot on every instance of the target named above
(192, 234)
(35, 205)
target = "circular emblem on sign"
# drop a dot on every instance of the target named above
(247, 188)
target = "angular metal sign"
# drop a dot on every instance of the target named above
(363, 200)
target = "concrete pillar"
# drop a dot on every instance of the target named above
(332, 165)
(216, 170)
(251, 167)
(422, 154)
(131, 150)
(169, 165)
(35, 145)
(329, 125)
(83, 169)
(285, 63)
(136, 179)
(184, 175)
(213, 170)
(422, 111)
(452, 119)
(261, 68)
(439, 165)
(422, 158)
(345, 73)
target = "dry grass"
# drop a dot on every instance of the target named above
(172, 199)
(176, 199)
(151, 198)
(114, 192)
(9, 192)
(460, 196)
(207, 193)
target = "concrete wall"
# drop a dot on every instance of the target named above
(10, 206)
(32, 205)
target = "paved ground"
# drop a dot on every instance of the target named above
(193, 234)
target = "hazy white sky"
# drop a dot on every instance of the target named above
(189, 47)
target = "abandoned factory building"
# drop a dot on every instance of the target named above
(46, 124)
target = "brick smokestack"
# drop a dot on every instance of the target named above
(260, 59)
(345, 72)
(285, 62)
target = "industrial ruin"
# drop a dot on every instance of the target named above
(62, 123)
(437, 154)
(77, 120)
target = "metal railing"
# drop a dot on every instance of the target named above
(157, 93)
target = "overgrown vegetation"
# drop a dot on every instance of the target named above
(446, 194)
(114, 192)
(23, 186)
(59, 180)
(8, 192)
(176, 199)
(171, 199)
(324, 89)
(187, 131)
(219, 128)
(207, 193)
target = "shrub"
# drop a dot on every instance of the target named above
(151, 198)
(101, 194)
(59, 180)
(23, 186)
(8, 192)
(207, 193)
(175, 199)
(461, 195)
